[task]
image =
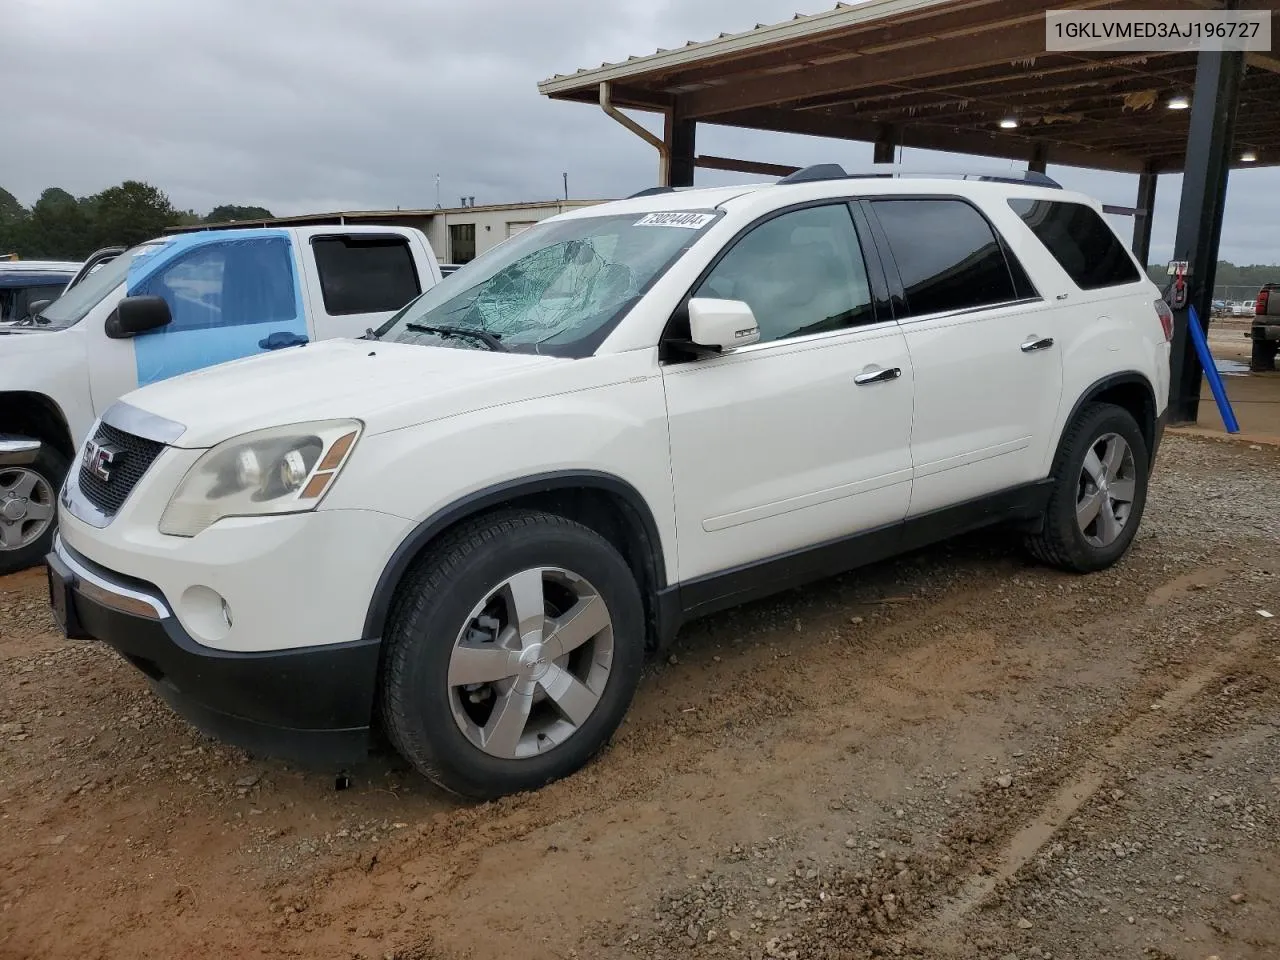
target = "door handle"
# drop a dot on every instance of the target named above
(878, 376)
(281, 339)
(1042, 344)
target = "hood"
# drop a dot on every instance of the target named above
(387, 385)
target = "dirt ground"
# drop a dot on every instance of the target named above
(955, 755)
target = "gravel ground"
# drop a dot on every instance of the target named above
(955, 755)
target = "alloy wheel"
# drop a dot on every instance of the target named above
(1107, 485)
(531, 662)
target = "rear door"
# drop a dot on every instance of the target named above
(358, 280)
(983, 346)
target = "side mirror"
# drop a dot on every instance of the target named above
(35, 306)
(721, 324)
(135, 315)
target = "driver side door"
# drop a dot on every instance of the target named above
(226, 298)
(802, 438)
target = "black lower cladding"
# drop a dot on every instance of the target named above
(312, 704)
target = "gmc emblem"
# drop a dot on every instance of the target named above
(100, 458)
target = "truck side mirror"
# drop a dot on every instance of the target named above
(135, 315)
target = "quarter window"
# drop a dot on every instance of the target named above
(948, 256)
(364, 274)
(801, 272)
(1080, 241)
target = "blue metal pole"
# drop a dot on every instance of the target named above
(1211, 370)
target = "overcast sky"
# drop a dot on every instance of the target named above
(313, 105)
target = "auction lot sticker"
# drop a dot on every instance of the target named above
(676, 218)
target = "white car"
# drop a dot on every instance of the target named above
(470, 531)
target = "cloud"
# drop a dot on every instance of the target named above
(310, 105)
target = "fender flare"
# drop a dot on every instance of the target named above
(494, 496)
(1150, 431)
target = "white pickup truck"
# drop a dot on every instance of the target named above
(171, 306)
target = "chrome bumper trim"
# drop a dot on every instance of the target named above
(80, 567)
(16, 451)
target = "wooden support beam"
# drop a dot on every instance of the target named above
(886, 144)
(1039, 157)
(1006, 145)
(745, 166)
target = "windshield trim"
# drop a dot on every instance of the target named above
(588, 343)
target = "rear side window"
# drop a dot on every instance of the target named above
(948, 256)
(1080, 241)
(365, 274)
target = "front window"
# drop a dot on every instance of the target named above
(75, 304)
(557, 288)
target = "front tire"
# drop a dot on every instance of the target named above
(1099, 491)
(29, 509)
(513, 651)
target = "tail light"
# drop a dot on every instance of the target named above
(1166, 319)
(1260, 305)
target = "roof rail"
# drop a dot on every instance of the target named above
(819, 171)
(833, 171)
(652, 192)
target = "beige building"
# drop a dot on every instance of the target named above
(457, 234)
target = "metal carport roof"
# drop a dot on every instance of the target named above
(941, 76)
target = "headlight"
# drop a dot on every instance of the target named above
(280, 470)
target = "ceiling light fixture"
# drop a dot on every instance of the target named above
(1009, 123)
(1178, 103)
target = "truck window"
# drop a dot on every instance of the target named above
(365, 274)
(227, 283)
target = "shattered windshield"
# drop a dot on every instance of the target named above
(555, 288)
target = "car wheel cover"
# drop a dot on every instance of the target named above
(1106, 489)
(530, 663)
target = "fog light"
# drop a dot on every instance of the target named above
(205, 613)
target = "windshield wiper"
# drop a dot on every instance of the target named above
(490, 340)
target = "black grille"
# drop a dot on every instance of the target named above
(133, 458)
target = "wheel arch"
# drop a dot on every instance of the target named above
(605, 503)
(38, 416)
(1131, 391)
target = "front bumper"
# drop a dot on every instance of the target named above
(310, 704)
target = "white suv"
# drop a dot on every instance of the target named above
(468, 528)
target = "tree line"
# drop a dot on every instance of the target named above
(1229, 280)
(60, 226)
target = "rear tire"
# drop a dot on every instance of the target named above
(1263, 357)
(29, 509)
(1099, 491)
(513, 651)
